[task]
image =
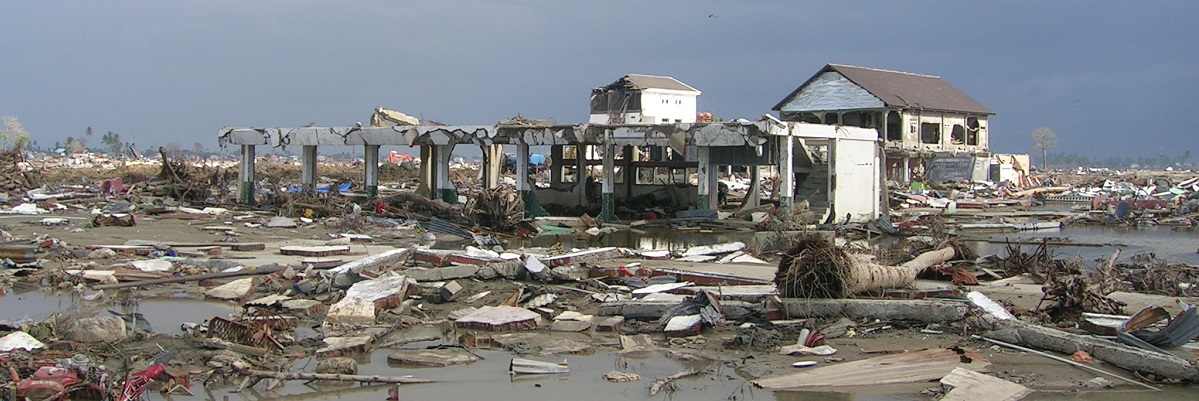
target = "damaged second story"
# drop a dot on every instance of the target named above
(643, 99)
(915, 114)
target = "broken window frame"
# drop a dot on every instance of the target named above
(930, 133)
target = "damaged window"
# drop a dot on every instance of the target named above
(958, 135)
(972, 131)
(930, 133)
(894, 129)
(830, 118)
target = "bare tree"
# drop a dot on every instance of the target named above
(14, 133)
(1044, 139)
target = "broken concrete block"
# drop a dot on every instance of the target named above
(19, 340)
(99, 329)
(965, 384)
(572, 321)
(500, 318)
(304, 307)
(234, 290)
(714, 249)
(338, 346)
(102, 253)
(281, 222)
(386, 291)
(683, 326)
(152, 265)
(351, 312)
(570, 325)
(613, 324)
(431, 357)
(450, 290)
(337, 366)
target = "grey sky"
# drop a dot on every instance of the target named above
(1109, 77)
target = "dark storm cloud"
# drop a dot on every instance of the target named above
(1109, 77)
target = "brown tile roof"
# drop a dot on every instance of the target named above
(902, 89)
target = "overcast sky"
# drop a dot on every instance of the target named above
(1109, 77)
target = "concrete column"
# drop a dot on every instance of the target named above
(445, 187)
(556, 165)
(370, 157)
(707, 178)
(786, 193)
(493, 164)
(428, 171)
(522, 168)
(907, 170)
(245, 187)
(608, 197)
(308, 169)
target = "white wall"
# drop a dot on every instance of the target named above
(668, 106)
(911, 121)
(855, 190)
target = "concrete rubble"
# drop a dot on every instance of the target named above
(365, 275)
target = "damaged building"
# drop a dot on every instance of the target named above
(624, 162)
(930, 129)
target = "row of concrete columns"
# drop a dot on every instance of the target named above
(435, 168)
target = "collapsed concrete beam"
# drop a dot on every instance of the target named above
(926, 311)
(1136, 359)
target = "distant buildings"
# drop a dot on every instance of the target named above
(643, 99)
(929, 127)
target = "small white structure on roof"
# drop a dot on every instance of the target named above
(643, 99)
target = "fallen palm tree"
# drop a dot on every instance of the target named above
(816, 268)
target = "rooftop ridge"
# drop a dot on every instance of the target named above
(886, 70)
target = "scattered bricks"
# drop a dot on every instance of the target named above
(462, 259)
(247, 247)
(431, 257)
(612, 324)
(450, 290)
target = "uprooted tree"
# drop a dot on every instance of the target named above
(815, 268)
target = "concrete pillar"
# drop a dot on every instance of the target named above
(308, 169)
(608, 196)
(707, 178)
(370, 157)
(907, 170)
(787, 172)
(428, 171)
(445, 187)
(522, 169)
(245, 181)
(556, 165)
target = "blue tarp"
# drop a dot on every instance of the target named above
(324, 189)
